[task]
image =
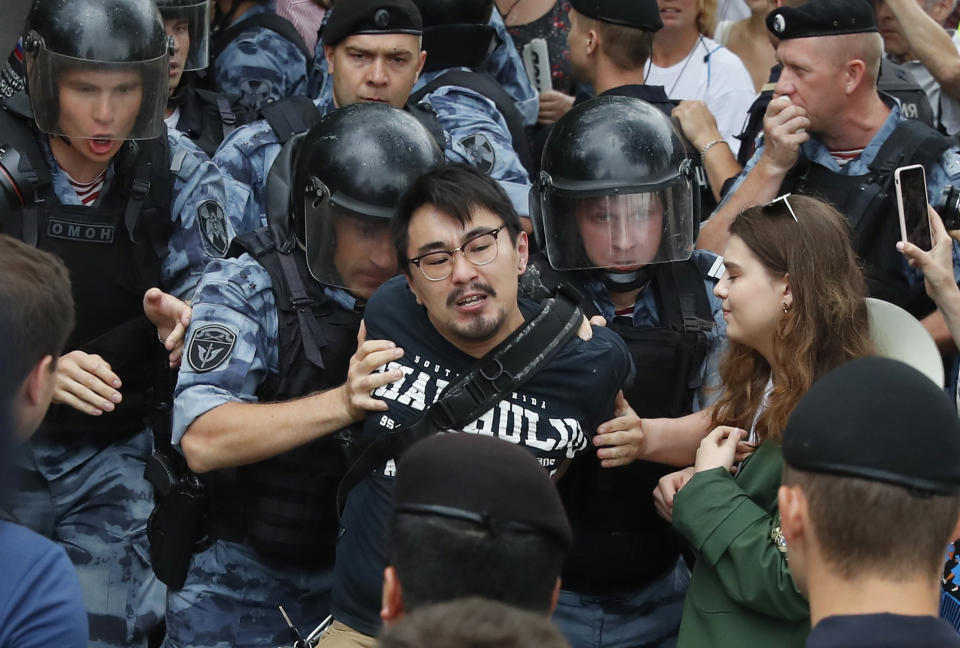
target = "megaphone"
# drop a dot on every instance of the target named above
(899, 335)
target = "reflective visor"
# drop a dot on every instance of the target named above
(347, 249)
(189, 25)
(96, 100)
(619, 232)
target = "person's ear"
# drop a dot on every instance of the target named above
(392, 598)
(555, 597)
(39, 382)
(423, 59)
(787, 296)
(328, 54)
(592, 42)
(523, 252)
(792, 504)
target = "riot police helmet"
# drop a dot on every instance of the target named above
(349, 172)
(97, 69)
(456, 33)
(188, 22)
(616, 190)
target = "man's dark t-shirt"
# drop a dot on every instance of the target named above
(882, 631)
(553, 415)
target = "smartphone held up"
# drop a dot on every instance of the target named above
(911, 186)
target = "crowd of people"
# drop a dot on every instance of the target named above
(476, 323)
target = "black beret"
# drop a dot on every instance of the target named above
(642, 14)
(881, 420)
(349, 17)
(481, 479)
(822, 18)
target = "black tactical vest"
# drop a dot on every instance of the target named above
(869, 203)
(620, 543)
(290, 500)
(208, 117)
(113, 253)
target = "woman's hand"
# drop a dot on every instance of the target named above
(719, 448)
(936, 264)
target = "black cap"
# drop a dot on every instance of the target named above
(822, 18)
(349, 17)
(642, 14)
(881, 420)
(481, 479)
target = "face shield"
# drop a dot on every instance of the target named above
(348, 243)
(189, 25)
(96, 100)
(619, 229)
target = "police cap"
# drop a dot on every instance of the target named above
(642, 14)
(488, 481)
(349, 17)
(822, 18)
(881, 420)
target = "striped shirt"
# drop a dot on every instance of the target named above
(87, 192)
(844, 156)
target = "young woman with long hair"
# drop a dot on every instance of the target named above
(793, 300)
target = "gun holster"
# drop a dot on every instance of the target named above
(175, 527)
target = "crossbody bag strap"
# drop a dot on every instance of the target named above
(502, 370)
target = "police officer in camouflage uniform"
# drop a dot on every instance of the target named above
(257, 54)
(272, 368)
(206, 117)
(616, 210)
(474, 130)
(504, 64)
(127, 205)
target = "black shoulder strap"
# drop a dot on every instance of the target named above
(427, 116)
(682, 283)
(290, 116)
(271, 21)
(501, 370)
(489, 88)
(911, 142)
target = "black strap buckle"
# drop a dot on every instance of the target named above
(140, 188)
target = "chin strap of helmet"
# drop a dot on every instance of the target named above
(625, 281)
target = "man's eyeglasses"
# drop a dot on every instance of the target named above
(784, 199)
(478, 250)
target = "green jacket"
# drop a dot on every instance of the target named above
(741, 592)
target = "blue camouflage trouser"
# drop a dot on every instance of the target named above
(231, 595)
(647, 617)
(98, 511)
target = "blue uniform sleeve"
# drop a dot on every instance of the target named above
(506, 66)
(478, 135)
(246, 155)
(202, 227)
(261, 66)
(938, 177)
(231, 343)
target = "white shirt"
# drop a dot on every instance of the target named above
(945, 107)
(173, 119)
(714, 75)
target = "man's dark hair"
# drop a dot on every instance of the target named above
(864, 526)
(472, 623)
(457, 190)
(36, 305)
(441, 559)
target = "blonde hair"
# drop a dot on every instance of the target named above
(707, 17)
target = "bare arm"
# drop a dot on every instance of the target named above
(236, 433)
(700, 127)
(929, 43)
(670, 441)
(785, 129)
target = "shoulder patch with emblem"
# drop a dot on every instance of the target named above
(210, 347)
(213, 228)
(480, 151)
